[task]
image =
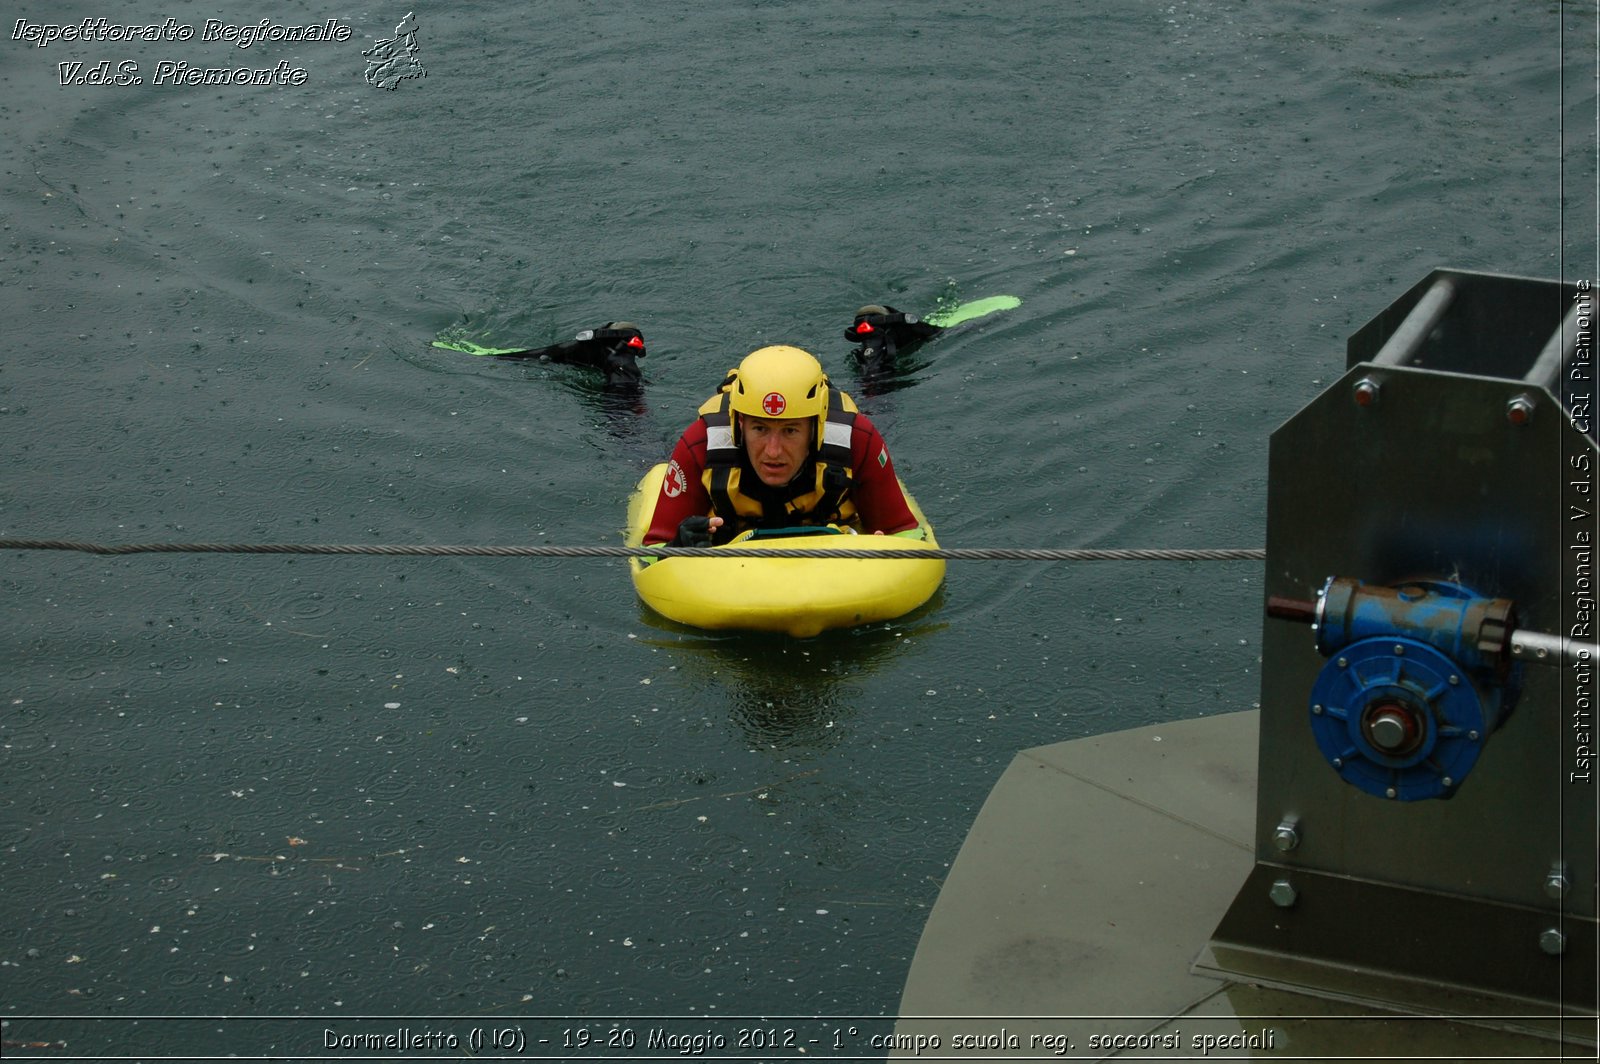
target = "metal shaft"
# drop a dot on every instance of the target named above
(1536, 648)
(1558, 351)
(1416, 327)
(1540, 648)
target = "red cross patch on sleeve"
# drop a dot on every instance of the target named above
(673, 484)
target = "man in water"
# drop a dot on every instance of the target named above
(777, 446)
(881, 332)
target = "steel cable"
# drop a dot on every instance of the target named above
(403, 550)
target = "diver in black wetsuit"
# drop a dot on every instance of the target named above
(884, 337)
(881, 332)
(614, 348)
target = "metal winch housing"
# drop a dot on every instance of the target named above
(1425, 828)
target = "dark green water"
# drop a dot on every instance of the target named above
(405, 787)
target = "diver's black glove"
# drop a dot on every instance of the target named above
(693, 532)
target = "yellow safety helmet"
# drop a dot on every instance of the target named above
(779, 382)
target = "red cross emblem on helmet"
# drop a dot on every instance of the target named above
(774, 404)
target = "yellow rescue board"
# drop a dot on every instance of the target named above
(800, 596)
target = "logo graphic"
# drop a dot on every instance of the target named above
(393, 61)
(774, 404)
(673, 485)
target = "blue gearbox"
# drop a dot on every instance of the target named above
(1418, 676)
(1399, 719)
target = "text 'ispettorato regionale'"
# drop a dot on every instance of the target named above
(176, 72)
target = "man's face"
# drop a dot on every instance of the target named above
(777, 447)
